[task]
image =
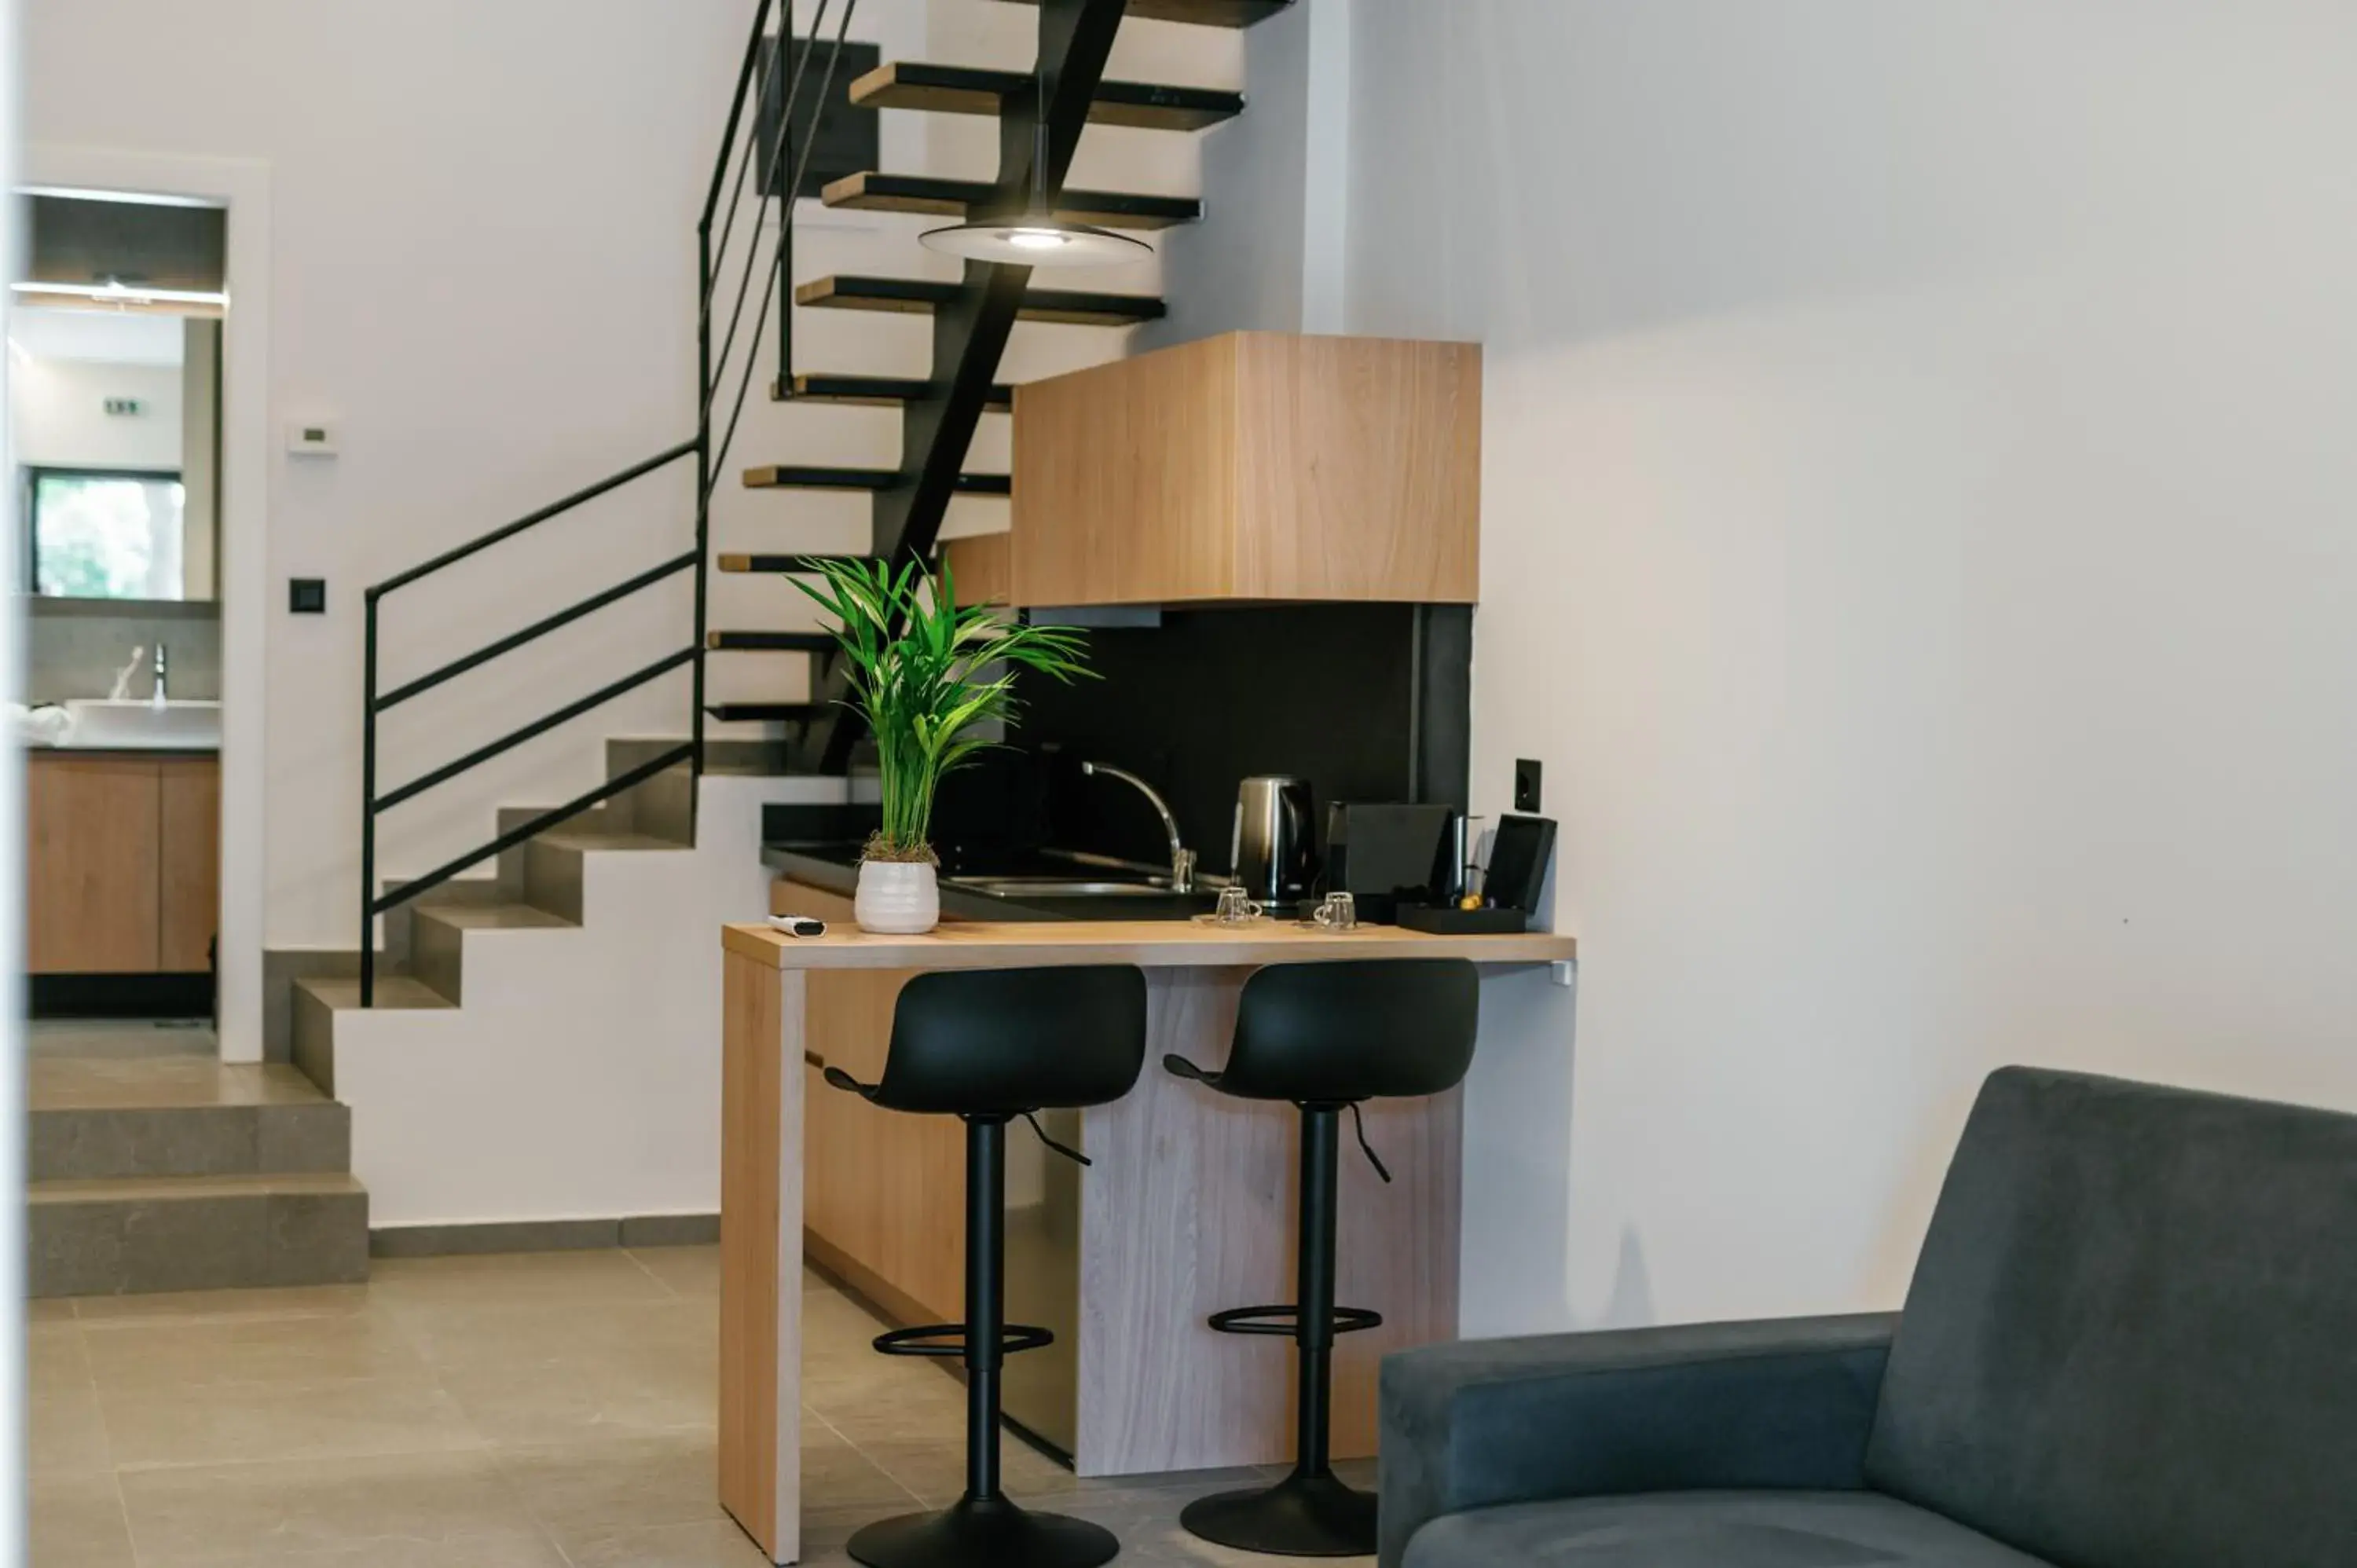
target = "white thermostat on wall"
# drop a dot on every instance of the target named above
(310, 438)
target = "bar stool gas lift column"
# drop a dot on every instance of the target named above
(988, 1046)
(1327, 1036)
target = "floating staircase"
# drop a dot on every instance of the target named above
(793, 477)
(530, 889)
(922, 297)
(875, 391)
(972, 315)
(875, 192)
(972, 89)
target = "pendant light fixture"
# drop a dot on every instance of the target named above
(1036, 237)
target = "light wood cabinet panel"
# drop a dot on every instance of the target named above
(886, 1207)
(1252, 467)
(123, 863)
(93, 854)
(1358, 470)
(189, 897)
(983, 566)
(1124, 481)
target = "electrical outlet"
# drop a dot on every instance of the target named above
(1527, 784)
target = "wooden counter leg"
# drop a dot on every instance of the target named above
(761, 1254)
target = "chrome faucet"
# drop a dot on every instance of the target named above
(1182, 859)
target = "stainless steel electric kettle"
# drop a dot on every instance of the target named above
(1272, 852)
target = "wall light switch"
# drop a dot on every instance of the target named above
(306, 596)
(310, 438)
(1527, 784)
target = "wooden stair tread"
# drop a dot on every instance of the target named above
(763, 713)
(973, 89)
(766, 562)
(920, 295)
(808, 477)
(1203, 13)
(763, 562)
(872, 392)
(769, 641)
(874, 191)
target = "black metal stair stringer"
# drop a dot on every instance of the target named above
(970, 333)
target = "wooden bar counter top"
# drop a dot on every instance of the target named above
(1188, 1209)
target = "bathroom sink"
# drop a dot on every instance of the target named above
(136, 724)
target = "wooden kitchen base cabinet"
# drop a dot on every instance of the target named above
(1254, 467)
(123, 862)
(883, 1194)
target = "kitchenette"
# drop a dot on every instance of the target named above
(1268, 548)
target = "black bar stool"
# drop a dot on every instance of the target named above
(987, 1046)
(1327, 1036)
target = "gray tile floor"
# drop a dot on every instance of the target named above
(550, 1411)
(88, 1040)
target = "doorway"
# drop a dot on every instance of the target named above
(149, 273)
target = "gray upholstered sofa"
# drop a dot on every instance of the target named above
(2131, 1342)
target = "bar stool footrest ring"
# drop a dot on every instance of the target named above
(948, 1340)
(1285, 1321)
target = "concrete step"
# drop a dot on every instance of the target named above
(400, 921)
(553, 863)
(438, 937)
(176, 1234)
(190, 1141)
(224, 1120)
(317, 1003)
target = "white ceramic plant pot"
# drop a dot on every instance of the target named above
(897, 897)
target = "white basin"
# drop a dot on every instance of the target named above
(136, 725)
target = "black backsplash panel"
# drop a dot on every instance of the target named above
(1367, 702)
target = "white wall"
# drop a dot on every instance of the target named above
(483, 247)
(581, 1079)
(1270, 255)
(1918, 481)
(59, 409)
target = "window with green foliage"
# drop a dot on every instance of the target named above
(99, 534)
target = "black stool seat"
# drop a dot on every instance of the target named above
(1328, 1037)
(988, 1046)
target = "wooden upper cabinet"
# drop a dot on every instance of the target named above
(1257, 466)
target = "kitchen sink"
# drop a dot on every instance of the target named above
(1022, 888)
(135, 723)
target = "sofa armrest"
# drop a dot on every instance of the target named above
(1782, 1405)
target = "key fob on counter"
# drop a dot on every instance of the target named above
(799, 925)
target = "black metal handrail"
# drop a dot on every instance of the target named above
(712, 359)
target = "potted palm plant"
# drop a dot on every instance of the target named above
(928, 676)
